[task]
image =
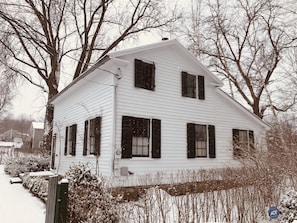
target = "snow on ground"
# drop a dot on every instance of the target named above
(17, 204)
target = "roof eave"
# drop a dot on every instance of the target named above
(99, 63)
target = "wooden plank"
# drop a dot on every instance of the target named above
(15, 180)
(51, 199)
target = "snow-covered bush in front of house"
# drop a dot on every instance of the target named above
(288, 207)
(37, 186)
(88, 197)
(26, 163)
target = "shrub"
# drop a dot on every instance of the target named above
(288, 207)
(22, 164)
(37, 186)
(89, 200)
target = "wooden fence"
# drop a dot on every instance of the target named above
(57, 199)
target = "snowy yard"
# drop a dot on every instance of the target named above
(17, 204)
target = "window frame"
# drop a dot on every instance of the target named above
(70, 140)
(248, 147)
(192, 139)
(191, 89)
(92, 129)
(144, 75)
(130, 130)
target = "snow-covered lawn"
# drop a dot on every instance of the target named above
(17, 204)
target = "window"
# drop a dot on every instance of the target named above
(92, 137)
(70, 140)
(200, 140)
(141, 137)
(190, 84)
(144, 75)
(243, 142)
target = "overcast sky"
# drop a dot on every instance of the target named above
(31, 101)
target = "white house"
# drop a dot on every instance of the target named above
(150, 109)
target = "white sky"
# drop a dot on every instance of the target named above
(31, 101)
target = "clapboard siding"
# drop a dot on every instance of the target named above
(91, 97)
(167, 104)
(94, 96)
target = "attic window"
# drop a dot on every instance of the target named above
(144, 75)
(190, 84)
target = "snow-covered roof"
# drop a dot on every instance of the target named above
(6, 144)
(38, 125)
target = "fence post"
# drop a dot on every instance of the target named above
(51, 199)
(61, 201)
(57, 199)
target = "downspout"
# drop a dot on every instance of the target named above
(115, 78)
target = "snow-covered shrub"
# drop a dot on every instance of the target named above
(22, 164)
(37, 186)
(89, 200)
(288, 207)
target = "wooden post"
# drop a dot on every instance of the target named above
(61, 202)
(57, 200)
(51, 199)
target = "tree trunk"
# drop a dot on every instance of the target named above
(48, 125)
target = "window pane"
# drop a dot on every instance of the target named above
(200, 141)
(140, 146)
(144, 75)
(92, 127)
(92, 145)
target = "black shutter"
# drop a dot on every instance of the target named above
(236, 149)
(251, 141)
(73, 132)
(127, 137)
(201, 90)
(138, 73)
(97, 135)
(152, 82)
(86, 138)
(184, 84)
(212, 141)
(156, 138)
(66, 141)
(191, 140)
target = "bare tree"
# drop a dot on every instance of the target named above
(42, 36)
(245, 42)
(6, 91)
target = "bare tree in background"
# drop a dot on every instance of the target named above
(245, 42)
(44, 35)
(6, 92)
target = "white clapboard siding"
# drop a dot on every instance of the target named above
(101, 94)
(89, 98)
(175, 111)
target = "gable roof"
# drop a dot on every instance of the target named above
(113, 56)
(175, 43)
(37, 125)
(243, 109)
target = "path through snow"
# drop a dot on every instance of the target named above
(17, 204)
